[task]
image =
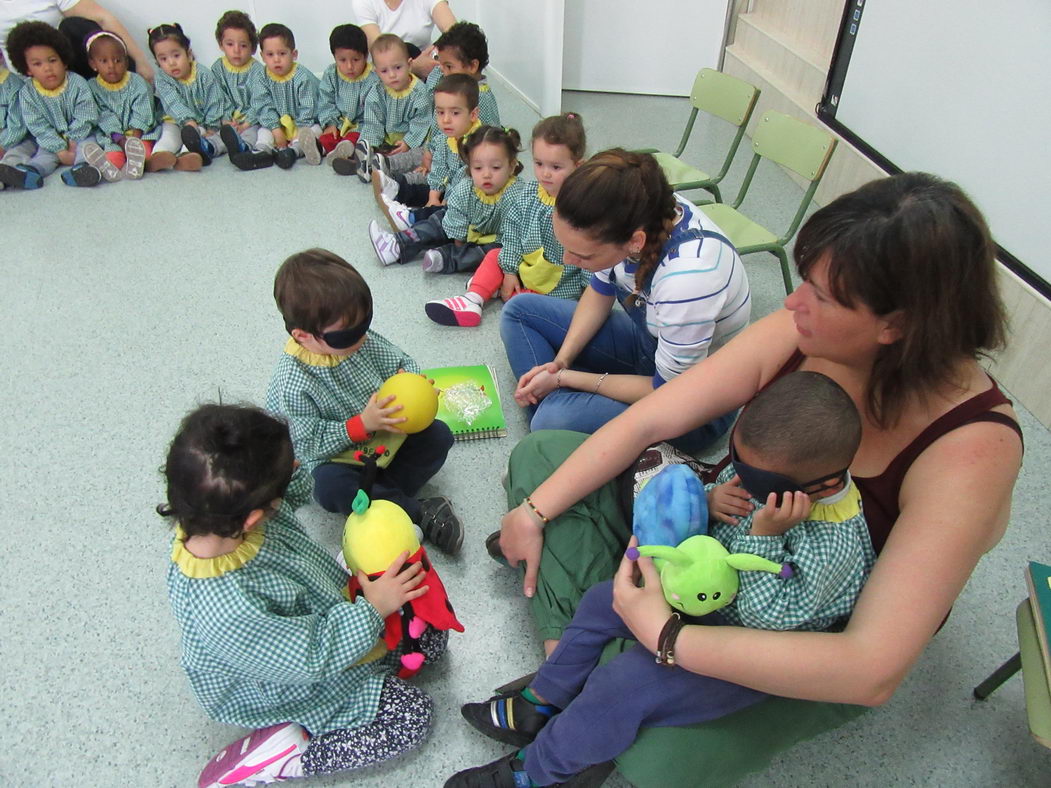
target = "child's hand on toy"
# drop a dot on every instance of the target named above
(388, 592)
(401, 147)
(511, 286)
(774, 520)
(379, 415)
(728, 502)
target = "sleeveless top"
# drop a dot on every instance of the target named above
(879, 494)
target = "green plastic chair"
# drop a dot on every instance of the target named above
(718, 94)
(798, 146)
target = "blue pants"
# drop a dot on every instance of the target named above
(533, 328)
(430, 234)
(419, 458)
(604, 706)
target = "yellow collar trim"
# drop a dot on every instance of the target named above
(4, 74)
(52, 93)
(838, 508)
(115, 86)
(493, 199)
(483, 87)
(286, 77)
(543, 196)
(454, 142)
(237, 69)
(300, 353)
(202, 568)
(405, 92)
(364, 74)
(193, 75)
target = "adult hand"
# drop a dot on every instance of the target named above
(510, 287)
(643, 609)
(522, 539)
(144, 69)
(388, 592)
(774, 520)
(379, 415)
(728, 502)
(537, 383)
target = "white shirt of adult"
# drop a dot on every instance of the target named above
(411, 21)
(14, 11)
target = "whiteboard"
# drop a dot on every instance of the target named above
(960, 88)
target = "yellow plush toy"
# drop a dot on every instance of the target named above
(417, 397)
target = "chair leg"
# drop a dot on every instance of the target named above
(998, 677)
(786, 273)
(715, 192)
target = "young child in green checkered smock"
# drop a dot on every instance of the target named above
(530, 257)
(325, 385)
(269, 640)
(192, 100)
(345, 86)
(791, 449)
(458, 237)
(16, 146)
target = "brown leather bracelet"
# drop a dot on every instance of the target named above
(666, 640)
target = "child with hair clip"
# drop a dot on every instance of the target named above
(397, 114)
(285, 98)
(128, 127)
(269, 641)
(786, 496)
(457, 238)
(16, 146)
(56, 106)
(530, 258)
(190, 96)
(240, 131)
(345, 86)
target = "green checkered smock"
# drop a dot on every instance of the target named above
(12, 127)
(294, 95)
(125, 105)
(527, 228)
(471, 213)
(317, 394)
(831, 554)
(267, 634)
(57, 117)
(406, 112)
(447, 168)
(342, 101)
(236, 84)
(199, 97)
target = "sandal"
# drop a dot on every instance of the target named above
(508, 717)
(440, 525)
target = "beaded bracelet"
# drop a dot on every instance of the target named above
(598, 385)
(529, 502)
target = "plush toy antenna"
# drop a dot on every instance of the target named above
(672, 555)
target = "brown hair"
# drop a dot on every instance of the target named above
(388, 41)
(915, 245)
(803, 425)
(277, 30)
(316, 288)
(460, 85)
(615, 193)
(565, 129)
(237, 20)
(494, 135)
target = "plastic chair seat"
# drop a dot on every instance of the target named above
(679, 172)
(741, 230)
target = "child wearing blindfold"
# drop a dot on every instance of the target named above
(325, 385)
(791, 449)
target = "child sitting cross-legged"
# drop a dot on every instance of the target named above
(790, 451)
(325, 384)
(16, 146)
(269, 641)
(345, 86)
(457, 237)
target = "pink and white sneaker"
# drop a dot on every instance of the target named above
(465, 310)
(399, 217)
(264, 756)
(384, 244)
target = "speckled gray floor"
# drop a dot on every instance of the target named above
(127, 305)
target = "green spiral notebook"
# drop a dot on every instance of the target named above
(469, 401)
(1038, 578)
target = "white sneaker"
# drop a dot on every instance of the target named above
(399, 216)
(363, 154)
(264, 756)
(385, 244)
(432, 262)
(462, 310)
(384, 185)
(381, 163)
(309, 145)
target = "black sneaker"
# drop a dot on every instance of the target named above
(81, 175)
(191, 138)
(440, 525)
(252, 160)
(509, 772)
(232, 140)
(285, 158)
(508, 718)
(344, 166)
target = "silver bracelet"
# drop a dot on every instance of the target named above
(598, 385)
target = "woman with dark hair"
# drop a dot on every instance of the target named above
(898, 302)
(679, 279)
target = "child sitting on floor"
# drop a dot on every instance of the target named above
(530, 258)
(397, 115)
(56, 106)
(345, 86)
(285, 98)
(457, 237)
(235, 70)
(325, 384)
(791, 450)
(269, 641)
(16, 146)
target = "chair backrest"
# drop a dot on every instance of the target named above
(800, 147)
(727, 97)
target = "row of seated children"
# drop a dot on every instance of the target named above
(262, 115)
